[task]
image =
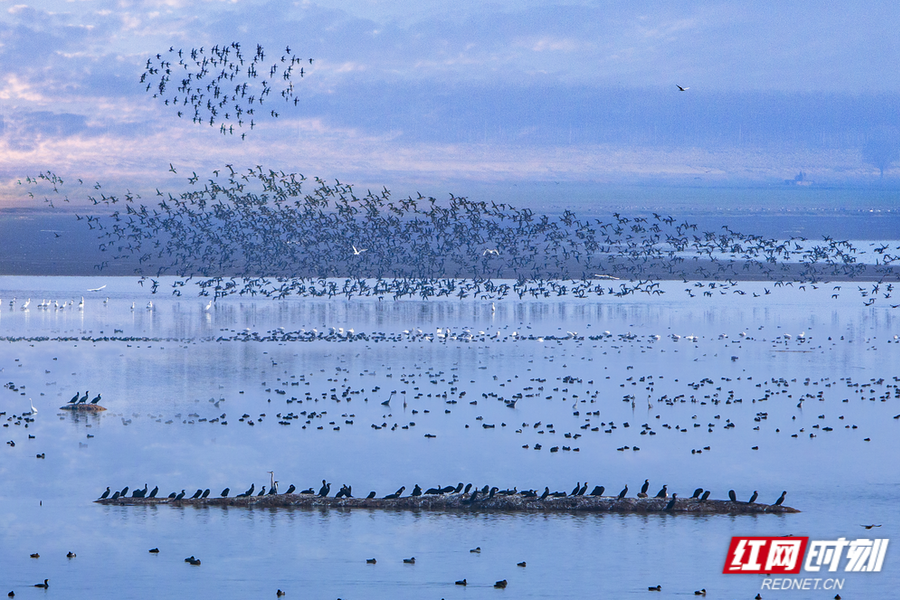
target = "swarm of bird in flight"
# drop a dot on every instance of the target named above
(260, 231)
(222, 86)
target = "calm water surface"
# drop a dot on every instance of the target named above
(170, 376)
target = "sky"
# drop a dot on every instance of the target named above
(434, 94)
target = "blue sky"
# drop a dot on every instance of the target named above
(432, 92)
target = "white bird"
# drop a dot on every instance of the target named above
(98, 289)
(208, 306)
(358, 252)
(491, 251)
(150, 305)
(33, 409)
(682, 89)
(25, 306)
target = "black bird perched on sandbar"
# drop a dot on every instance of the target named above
(105, 494)
(753, 497)
(598, 490)
(323, 491)
(780, 498)
(671, 503)
(224, 493)
(395, 494)
(697, 493)
(704, 496)
(622, 493)
(663, 493)
(646, 486)
(732, 496)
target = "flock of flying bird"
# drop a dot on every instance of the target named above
(223, 86)
(261, 232)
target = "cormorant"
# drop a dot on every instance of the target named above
(115, 496)
(753, 497)
(780, 499)
(575, 491)
(196, 494)
(417, 491)
(154, 550)
(671, 503)
(461, 582)
(697, 493)
(224, 493)
(105, 494)
(370, 561)
(500, 584)
(96, 399)
(262, 491)
(205, 493)
(180, 496)
(732, 496)
(74, 398)
(124, 492)
(291, 489)
(323, 491)
(410, 561)
(371, 495)
(395, 494)
(598, 490)
(468, 487)
(583, 489)
(44, 585)
(663, 493)
(153, 492)
(704, 496)
(623, 492)
(646, 486)
(546, 493)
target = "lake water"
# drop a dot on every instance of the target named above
(172, 375)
